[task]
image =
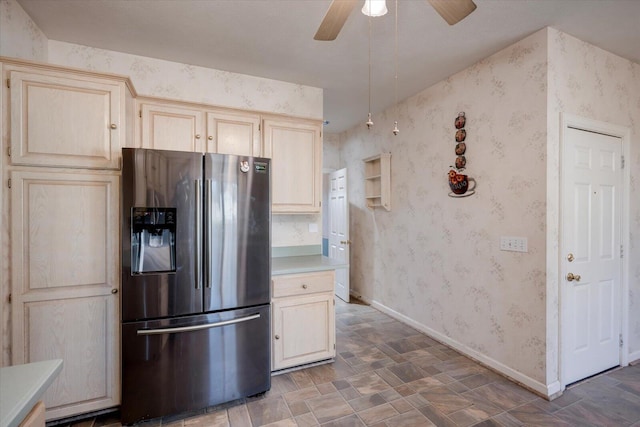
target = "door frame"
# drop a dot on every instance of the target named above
(624, 133)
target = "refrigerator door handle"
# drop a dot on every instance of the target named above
(179, 329)
(209, 231)
(198, 228)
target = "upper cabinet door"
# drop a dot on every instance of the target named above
(295, 149)
(74, 121)
(172, 127)
(237, 134)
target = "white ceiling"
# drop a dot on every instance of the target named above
(274, 39)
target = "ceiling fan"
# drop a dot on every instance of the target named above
(452, 11)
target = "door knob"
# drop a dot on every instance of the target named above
(571, 277)
(570, 257)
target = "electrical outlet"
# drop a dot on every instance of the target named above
(513, 244)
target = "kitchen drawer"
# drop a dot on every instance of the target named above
(302, 284)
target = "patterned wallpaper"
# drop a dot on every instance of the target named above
(589, 82)
(20, 37)
(435, 260)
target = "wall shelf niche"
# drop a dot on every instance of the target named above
(377, 176)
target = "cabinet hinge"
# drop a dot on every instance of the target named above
(9, 182)
(621, 342)
(9, 151)
(9, 300)
(140, 113)
(9, 83)
(259, 127)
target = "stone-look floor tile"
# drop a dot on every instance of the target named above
(349, 393)
(401, 406)
(390, 395)
(306, 420)
(377, 414)
(329, 407)
(367, 402)
(478, 380)
(341, 384)
(488, 423)
(407, 372)
(282, 384)
(404, 390)
(302, 379)
(304, 394)
(507, 420)
(445, 400)
(469, 416)
(443, 378)
(389, 377)
(457, 387)
(326, 388)
(180, 423)
(436, 417)
(414, 418)
(530, 414)
(289, 422)
(214, 419)
(499, 396)
(239, 416)
(589, 414)
(350, 421)
(268, 411)
(368, 383)
(416, 401)
(298, 408)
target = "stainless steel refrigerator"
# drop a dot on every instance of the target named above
(195, 281)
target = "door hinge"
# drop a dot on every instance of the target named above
(9, 182)
(259, 127)
(9, 300)
(621, 342)
(622, 162)
(621, 251)
(9, 83)
(9, 151)
(334, 346)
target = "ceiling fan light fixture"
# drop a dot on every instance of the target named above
(375, 8)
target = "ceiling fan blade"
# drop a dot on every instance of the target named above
(339, 11)
(453, 11)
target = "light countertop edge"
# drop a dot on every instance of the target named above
(304, 264)
(22, 386)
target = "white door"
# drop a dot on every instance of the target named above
(339, 229)
(590, 251)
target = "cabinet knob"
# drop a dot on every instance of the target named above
(113, 126)
(114, 291)
(197, 136)
(210, 138)
(304, 286)
(277, 337)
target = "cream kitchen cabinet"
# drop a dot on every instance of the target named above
(303, 315)
(295, 149)
(65, 118)
(65, 281)
(169, 125)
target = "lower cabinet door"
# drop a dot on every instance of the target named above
(303, 330)
(65, 280)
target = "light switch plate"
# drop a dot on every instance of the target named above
(513, 244)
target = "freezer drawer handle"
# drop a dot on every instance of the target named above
(196, 327)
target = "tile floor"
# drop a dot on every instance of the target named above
(387, 374)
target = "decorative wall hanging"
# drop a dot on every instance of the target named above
(461, 185)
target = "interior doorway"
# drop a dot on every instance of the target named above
(593, 295)
(337, 228)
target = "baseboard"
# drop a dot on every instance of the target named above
(633, 357)
(362, 298)
(546, 391)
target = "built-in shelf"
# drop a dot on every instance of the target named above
(377, 175)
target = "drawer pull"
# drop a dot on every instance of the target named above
(304, 286)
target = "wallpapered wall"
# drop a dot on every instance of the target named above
(20, 37)
(589, 82)
(435, 261)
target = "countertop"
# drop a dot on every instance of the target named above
(303, 264)
(22, 386)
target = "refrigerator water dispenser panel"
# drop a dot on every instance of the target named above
(153, 240)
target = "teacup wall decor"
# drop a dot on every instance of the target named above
(459, 182)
